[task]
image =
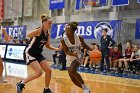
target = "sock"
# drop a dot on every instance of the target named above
(83, 86)
(22, 82)
(46, 88)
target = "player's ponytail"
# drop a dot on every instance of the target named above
(44, 17)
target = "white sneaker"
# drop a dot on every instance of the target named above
(86, 90)
(3, 80)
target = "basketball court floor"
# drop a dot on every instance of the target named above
(61, 83)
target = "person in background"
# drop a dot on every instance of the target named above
(7, 39)
(134, 64)
(93, 63)
(115, 55)
(62, 58)
(86, 58)
(55, 55)
(105, 42)
(126, 59)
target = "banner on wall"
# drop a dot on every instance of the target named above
(1, 9)
(56, 4)
(137, 33)
(120, 2)
(89, 30)
(103, 2)
(15, 52)
(16, 31)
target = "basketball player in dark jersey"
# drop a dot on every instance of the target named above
(71, 45)
(33, 57)
(7, 39)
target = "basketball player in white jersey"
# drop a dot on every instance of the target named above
(6, 38)
(71, 45)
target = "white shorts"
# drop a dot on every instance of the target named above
(70, 59)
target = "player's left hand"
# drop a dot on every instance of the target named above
(60, 47)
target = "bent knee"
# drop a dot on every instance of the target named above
(39, 73)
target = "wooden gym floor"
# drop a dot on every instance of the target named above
(61, 83)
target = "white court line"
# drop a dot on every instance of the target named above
(99, 81)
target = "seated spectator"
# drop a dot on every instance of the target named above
(127, 55)
(115, 55)
(134, 63)
(25, 41)
(62, 59)
(93, 63)
(82, 56)
(119, 46)
(60, 55)
(56, 55)
(86, 56)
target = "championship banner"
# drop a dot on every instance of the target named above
(16, 31)
(1, 9)
(57, 4)
(120, 2)
(89, 30)
(137, 33)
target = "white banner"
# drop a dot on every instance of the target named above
(16, 70)
(28, 7)
(8, 9)
(15, 52)
(17, 8)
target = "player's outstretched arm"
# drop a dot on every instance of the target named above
(49, 46)
(6, 37)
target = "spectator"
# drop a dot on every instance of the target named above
(62, 58)
(56, 55)
(127, 55)
(134, 63)
(93, 63)
(25, 41)
(86, 58)
(115, 55)
(82, 52)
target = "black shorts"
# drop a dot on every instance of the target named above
(30, 57)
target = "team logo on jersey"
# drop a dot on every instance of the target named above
(98, 29)
(43, 41)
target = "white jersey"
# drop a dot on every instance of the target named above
(72, 47)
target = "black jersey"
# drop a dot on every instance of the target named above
(37, 43)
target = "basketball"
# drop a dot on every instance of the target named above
(95, 56)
